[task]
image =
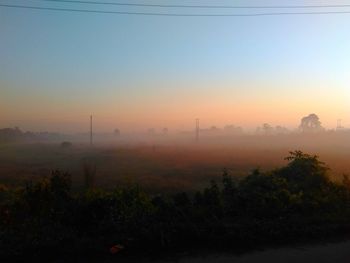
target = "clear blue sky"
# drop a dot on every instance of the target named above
(136, 71)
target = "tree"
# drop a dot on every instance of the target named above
(304, 172)
(265, 129)
(311, 123)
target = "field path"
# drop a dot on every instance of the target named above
(329, 253)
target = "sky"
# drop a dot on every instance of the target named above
(136, 72)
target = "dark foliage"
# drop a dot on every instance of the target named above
(295, 202)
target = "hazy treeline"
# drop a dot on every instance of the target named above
(17, 135)
(295, 202)
(310, 124)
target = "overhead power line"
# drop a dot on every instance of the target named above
(200, 6)
(172, 14)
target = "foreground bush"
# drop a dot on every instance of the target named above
(295, 202)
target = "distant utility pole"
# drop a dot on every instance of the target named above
(339, 124)
(90, 130)
(197, 130)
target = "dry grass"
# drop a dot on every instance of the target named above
(160, 168)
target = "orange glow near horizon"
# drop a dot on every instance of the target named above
(176, 109)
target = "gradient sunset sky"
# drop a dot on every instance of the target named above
(136, 72)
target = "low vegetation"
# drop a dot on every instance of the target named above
(296, 202)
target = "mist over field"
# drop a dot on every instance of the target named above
(174, 131)
(166, 161)
(193, 194)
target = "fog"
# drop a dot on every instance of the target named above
(166, 160)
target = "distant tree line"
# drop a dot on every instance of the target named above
(13, 134)
(17, 135)
(46, 220)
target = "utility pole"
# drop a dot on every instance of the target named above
(197, 130)
(90, 130)
(339, 127)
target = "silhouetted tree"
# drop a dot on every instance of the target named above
(311, 123)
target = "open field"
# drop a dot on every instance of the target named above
(176, 208)
(166, 167)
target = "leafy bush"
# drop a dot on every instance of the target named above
(298, 201)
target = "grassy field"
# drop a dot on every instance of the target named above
(296, 203)
(160, 167)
